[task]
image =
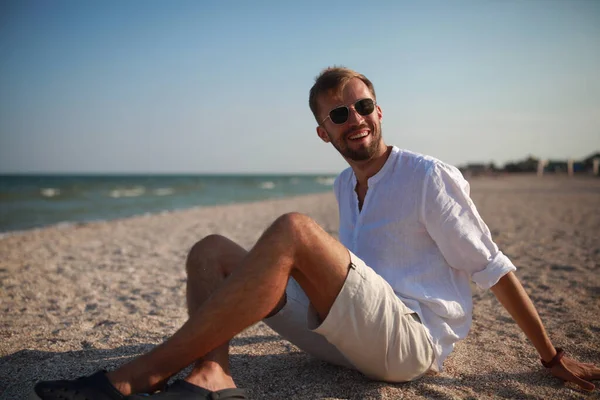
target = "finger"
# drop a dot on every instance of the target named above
(565, 374)
(585, 385)
(588, 371)
(593, 373)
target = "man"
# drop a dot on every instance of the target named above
(411, 239)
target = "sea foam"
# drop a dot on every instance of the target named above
(49, 192)
(128, 192)
(325, 181)
(163, 191)
(267, 185)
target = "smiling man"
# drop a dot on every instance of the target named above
(390, 299)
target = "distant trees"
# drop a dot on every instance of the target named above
(530, 164)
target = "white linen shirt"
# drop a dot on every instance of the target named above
(420, 231)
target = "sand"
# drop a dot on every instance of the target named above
(78, 298)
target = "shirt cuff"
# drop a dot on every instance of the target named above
(496, 269)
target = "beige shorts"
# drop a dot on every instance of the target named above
(368, 328)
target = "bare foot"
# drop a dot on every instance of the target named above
(209, 375)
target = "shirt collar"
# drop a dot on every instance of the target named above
(394, 154)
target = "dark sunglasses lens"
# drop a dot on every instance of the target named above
(365, 106)
(339, 115)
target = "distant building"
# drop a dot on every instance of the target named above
(585, 166)
(588, 163)
(556, 166)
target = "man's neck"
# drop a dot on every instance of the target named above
(368, 168)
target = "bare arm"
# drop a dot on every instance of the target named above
(515, 300)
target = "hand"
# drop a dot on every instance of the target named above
(574, 371)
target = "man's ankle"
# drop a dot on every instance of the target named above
(120, 383)
(211, 376)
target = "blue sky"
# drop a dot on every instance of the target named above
(222, 86)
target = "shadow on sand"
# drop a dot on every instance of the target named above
(293, 375)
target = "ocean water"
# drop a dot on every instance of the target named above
(29, 201)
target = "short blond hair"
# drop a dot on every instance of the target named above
(331, 81)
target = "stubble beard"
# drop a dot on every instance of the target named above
(363, 152)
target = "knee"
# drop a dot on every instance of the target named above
(204, 249)
(292, 232)
(292, 225)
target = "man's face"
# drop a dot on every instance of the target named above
(358, 138)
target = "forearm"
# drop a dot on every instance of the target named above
(515, 300)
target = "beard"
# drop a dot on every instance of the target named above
(362, 153)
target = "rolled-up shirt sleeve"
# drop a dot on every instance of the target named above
(453, 222)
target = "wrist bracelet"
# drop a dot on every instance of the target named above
(559, 354)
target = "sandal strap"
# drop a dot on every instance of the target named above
(186, 388)
(229, 394)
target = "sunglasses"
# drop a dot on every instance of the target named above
(339, 115)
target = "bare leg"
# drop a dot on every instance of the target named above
(293, 246)
(209, 262)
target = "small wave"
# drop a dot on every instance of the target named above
(49, 192)
(267, 185)
(163, 191)
(66, 224)
(294, 181)
(325, 181)
(131, 192)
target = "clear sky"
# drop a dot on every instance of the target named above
(222, 86)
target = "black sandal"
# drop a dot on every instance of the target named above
(93, 387)
(182, 390)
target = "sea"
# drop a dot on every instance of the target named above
(31, 201)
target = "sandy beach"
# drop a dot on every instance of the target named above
(78, 298)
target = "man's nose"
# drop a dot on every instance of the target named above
(353, 116)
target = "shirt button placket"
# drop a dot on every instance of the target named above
(356, 231)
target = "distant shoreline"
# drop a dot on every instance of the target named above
(66, 225)
(323, 189)
(33, 201)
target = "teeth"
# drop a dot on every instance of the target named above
(359, 135)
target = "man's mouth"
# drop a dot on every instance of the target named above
(359, 135)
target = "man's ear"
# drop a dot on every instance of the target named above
(379, 112)
(322, 133)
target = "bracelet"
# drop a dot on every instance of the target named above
(559, 354)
